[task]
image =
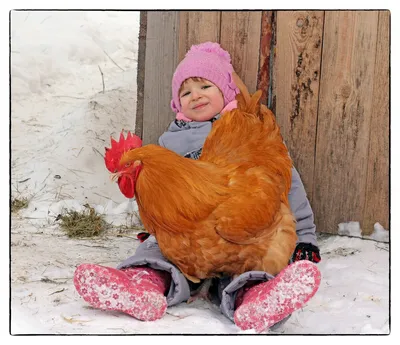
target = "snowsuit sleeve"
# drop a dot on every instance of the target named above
(300, 206)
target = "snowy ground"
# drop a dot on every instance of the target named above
(61, 121)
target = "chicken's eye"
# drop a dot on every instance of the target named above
(127, 165)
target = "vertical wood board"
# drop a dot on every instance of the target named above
(298, 58)
(265, 58)
(344, 117)
(197, 27)
(377, 186)
(141, 66)
(240, 36)
(161, 60)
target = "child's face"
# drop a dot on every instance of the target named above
(200, 99)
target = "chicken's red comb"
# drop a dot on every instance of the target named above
(118, 148)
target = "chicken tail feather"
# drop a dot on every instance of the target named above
(249, 104)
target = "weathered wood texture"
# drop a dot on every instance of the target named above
(267, 48)
(272, 86)
(377, 190)
(344, 117)
(160, 61)
(297, 64)
(140, 74)
(197, 27)
(240, 36)
(324, 74)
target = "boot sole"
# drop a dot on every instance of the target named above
(272, 301)
(110, 289)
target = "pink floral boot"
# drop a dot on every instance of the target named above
(265, 304)
(137, 291)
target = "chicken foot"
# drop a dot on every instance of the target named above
(201, 292)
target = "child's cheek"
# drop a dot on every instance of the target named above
(183, 104)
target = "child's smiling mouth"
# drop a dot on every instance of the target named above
(199, 106)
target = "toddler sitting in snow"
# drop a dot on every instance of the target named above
(145, 284)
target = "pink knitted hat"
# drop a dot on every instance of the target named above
(206, 60)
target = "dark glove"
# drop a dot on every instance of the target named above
(142, 236)
(306, 251)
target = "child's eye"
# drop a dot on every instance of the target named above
(206, 87)
(185, 94)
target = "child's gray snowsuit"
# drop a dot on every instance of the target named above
(187, 139)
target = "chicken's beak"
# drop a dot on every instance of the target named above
(115, 176)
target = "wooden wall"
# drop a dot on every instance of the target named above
(169, 35)
(325, 74)
(332, 88)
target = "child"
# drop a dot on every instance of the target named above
(146, 283)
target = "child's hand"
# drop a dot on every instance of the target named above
(306, 251)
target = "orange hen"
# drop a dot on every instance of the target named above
(226, 213)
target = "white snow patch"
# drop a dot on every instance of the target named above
(350, 229)
(379, 234)
(353, 229)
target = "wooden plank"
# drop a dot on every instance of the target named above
(161, 60)
(140, 74)
(298, 65)
(266, 47)
(240, 36)
(344, 117)
(377, 185)
(272, 96)
(197, 27)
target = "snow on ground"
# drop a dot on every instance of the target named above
(61, 121)
(61, 118)
(353, 297)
